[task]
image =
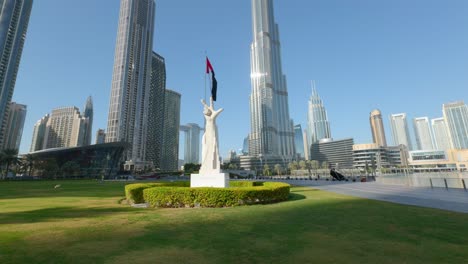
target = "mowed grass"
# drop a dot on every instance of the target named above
(83, 222)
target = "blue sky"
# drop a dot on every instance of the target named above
(398, 56)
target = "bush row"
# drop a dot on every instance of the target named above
(134, 192)
(165, 196)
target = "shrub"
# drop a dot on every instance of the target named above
(134, 192)
(259, 193)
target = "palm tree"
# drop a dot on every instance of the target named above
(315, 165)
(10, 157)
(302, 164)
(266, 170)
(278, 169)
(29, 160)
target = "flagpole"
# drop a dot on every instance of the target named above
(205, 73)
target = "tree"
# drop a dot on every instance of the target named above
(191, 168)
(29, 160)
(315, 165)
(9, 157)
(308, 166)
(302, 164)
(293, 165)
(278, 169)
(325, 165)
(266, 170)
(49, 168)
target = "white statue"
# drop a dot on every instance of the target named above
(210, 174)
(210, 152)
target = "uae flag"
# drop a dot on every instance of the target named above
(214, 83)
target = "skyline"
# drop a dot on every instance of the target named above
(344, 89)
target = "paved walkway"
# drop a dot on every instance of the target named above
(440, 198)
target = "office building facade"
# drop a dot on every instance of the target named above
(14, 20)
(271, 127)
(337, 153)
(131, 80)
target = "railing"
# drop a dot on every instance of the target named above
(433, 180)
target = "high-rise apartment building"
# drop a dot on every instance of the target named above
(154, 136)
(440, 133)
(65, 128)
(14, 20)
(192, 143)
(100, 136)
(422, 132)
(14, 126)
(305, 138)
(400, 130)
(318, 125)
(88, 114)
(38, 136)
(131, 80)
(456, 116)
(271, 127)
(299, 142)
(377, 128)
(170, 153)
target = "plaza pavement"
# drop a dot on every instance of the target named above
(452, 199)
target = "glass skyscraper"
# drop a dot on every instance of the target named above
(299, 142)
(14, 19)
(422, 132)
(156, 110)
(318, 125)
(400, 130)
(170, 153)
(271, 127)
(456, 116)
(131, 80)
(88, 129)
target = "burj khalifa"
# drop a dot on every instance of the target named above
(271, 127)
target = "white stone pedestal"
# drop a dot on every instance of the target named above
(219, 180)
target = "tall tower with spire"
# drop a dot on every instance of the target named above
(88, 113)
(272, 130)
(318, 125)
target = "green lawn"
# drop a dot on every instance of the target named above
(83, 222)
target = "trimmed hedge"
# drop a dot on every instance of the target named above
(134, 192)
(245, 183)
(268, 192)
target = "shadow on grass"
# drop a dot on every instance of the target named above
(295, 196)
(278, 233)
(58, 214)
